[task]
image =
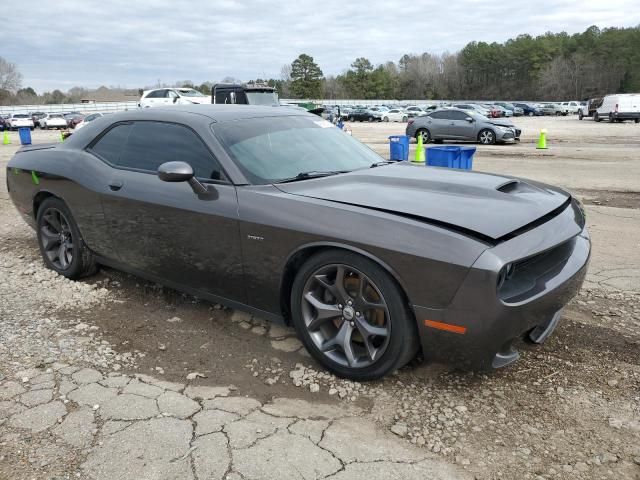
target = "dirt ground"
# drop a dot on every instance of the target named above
(568, 409)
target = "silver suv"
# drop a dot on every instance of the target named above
(456, 124)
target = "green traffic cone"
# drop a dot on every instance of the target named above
(419, 158)
(61, 137)
(542, 140)
(6, 140)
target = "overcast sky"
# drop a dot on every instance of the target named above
(66, 43)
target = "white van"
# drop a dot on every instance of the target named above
(619, 107)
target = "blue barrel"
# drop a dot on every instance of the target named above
(450, 156)
(398, 147)
(25, 135)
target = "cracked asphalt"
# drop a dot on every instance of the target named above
(117, 378)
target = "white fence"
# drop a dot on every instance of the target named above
(72, 107)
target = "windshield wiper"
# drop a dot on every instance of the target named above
(311, 174)
(381, 163)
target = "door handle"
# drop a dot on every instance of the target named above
(115, 185)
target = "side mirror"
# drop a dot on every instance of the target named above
(181, 172)
(469, 119)
(175, 172)
(175, 99)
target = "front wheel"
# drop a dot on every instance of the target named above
(580, 115)
(385, 119)
(61, 244)
(487, 137)
(351, 316)
(596, 117)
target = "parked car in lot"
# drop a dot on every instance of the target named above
(529, 109)
(570, 108)
(473, 107)
(88, 119)
(494, 112)
(73, 119)
(619, 107)
(505, 112)
(52, 120)
(363, 115)
(456, 124)
(515, 111)
(501, 256)
(395, 115)
(415, 111)
(162, 97)
(18, 120)
(552, 109)
(3, 122)
(36, 116)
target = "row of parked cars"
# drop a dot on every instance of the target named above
(46, 121)
(402, 113)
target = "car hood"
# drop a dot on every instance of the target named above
(490, 207)
(501, 122)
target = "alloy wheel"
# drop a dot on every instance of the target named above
(57, 239)
(346, 315)
(486, 137)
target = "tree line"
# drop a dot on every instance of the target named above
(553, 66)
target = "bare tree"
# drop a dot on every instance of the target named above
(10, 77)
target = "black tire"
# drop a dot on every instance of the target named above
(580, 115)
(487, 136)
(426, 135)
(82, 262)
(403, 342)
(405, 119)
(596, 117)
(351, 119)
(558, 114)
(385, 119)
(531, 114)
(370, 119)
(637, 120)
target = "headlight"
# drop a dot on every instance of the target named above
(505, 273)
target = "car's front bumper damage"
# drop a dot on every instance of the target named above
(478, 328)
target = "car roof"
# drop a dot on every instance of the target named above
(215, 112)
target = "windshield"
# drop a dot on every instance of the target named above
(257, 97)
(272, 149)
(21, 116)
(55, 115)
(189, 92)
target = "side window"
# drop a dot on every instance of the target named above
(151, 144)
(438, 115)
(171, 94)
(453, 115)
(156, 94)
(109, 146)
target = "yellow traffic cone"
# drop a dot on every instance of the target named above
(61, 137)
(419, 158)
(542, 140)
(6, 140)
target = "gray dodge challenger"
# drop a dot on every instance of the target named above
(275, 211)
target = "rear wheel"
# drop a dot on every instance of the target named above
(425, 134)
(351, 316)
(61, 244)
(385, 119)
(487, 137)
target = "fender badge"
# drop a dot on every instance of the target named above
(255, 237)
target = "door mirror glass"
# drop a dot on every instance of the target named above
(175, 172)
(469, 119)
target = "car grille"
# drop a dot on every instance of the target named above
(529, 275)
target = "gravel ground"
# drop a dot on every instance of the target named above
(113, 377)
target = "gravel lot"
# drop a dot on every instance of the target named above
(117, 378)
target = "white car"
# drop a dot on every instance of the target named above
(162, 97)
(19, 120)
(415, 111)
(570, 107)
(395, 115)
(89, 119)
(52, 120)
(618, 108)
